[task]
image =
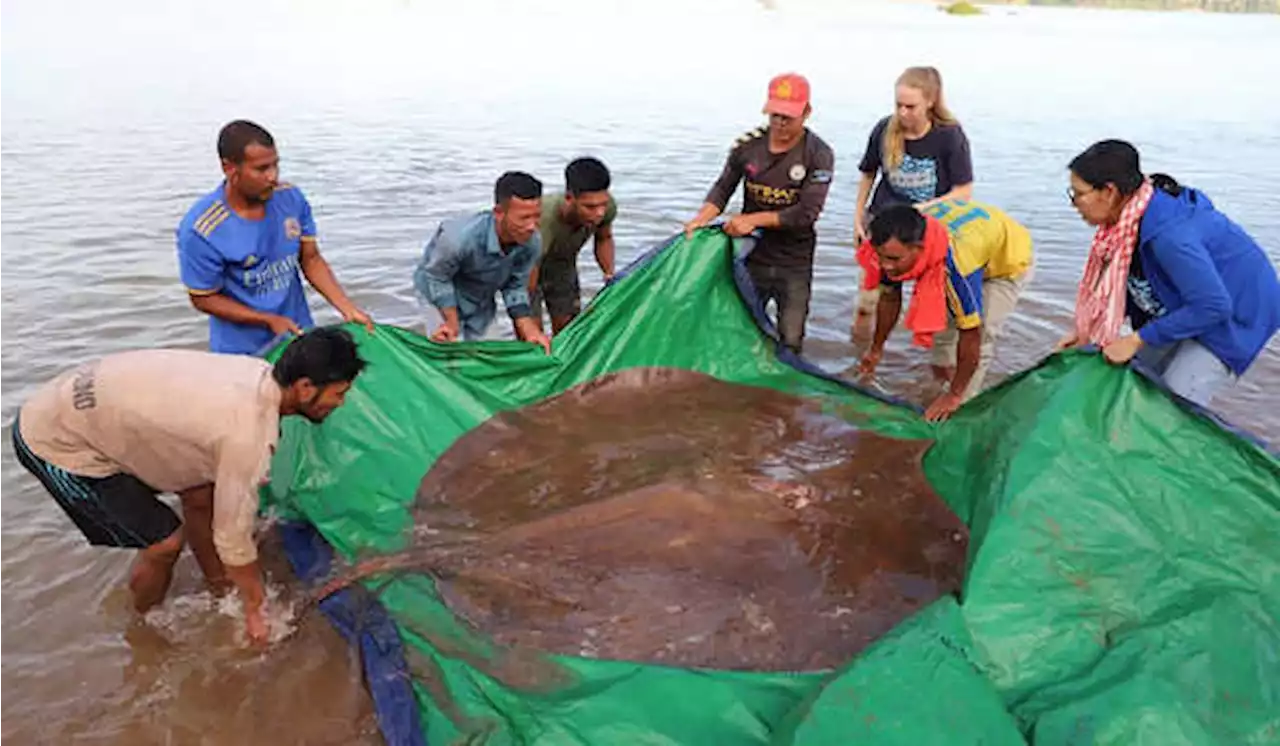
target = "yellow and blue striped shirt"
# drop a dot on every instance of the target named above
(985, 244)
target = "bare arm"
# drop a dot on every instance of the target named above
(203, 269)
(515, 296)
(228, 309)
(718, 197)
(318, 272)
(968, 352)
(248, 580)
(860, 207)
(605, 250)
(533, 290)
(705, 214)
(888, 309)
(869, 167)
(961, 192)
(241, 464)
(529, 330)
(761, 219)
(526, 328)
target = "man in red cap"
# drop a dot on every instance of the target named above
(787, 171)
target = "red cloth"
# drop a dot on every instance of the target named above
(927, 314)
(1101, 295)
(870, 266)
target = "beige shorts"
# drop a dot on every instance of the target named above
(867, 300)
(999, 298)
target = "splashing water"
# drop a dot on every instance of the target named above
(186, 617)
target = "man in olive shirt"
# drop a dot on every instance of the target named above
(585, 210)
(787, 171)
(104, 439)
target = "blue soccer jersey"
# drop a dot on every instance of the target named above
(254, 262)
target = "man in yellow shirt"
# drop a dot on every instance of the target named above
(971, 263)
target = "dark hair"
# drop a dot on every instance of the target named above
(1166, 183)
(237, 136)
(1109, 162)
(516, 184)
(1117, 162)
(323, 355)
(902, 222)
(585, 175)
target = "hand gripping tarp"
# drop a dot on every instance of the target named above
(1123, 579)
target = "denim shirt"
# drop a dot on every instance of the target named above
(463, 266)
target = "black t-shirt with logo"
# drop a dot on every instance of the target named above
(794, 184)
(931, 166)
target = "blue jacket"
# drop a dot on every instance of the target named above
(1216, 284)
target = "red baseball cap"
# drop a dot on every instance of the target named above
(788, 95)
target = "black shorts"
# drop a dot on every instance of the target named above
(116, 511)
(559, 289)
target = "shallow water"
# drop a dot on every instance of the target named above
(753, 532)
(94, 672)
(393, 114)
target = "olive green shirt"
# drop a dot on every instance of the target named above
(561, 243)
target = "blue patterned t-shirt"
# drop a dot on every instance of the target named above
(931, 166)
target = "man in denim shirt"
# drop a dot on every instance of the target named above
(471, 258)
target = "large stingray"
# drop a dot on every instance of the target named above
(663, 516)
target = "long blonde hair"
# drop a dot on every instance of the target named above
(928, 81)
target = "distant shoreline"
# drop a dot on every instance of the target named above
(1195, 6)
(1233, 7)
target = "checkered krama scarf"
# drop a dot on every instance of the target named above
(1101, 297)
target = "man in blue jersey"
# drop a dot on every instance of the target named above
(240, 248)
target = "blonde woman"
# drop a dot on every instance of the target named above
(920, 154)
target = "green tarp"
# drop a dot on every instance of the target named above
(1123, 583)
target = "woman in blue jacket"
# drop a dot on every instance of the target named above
(1201, 295)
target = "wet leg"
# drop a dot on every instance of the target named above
(562, 291)
(1000, 298)
(152, 571)
(197, 516)
(559, 322)
(793, 305)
